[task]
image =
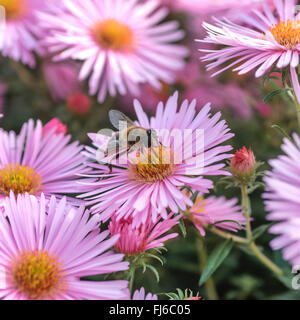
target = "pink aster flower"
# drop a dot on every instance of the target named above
(283, 200)
(39, 159)
(220, 212)
(141, 295)
(21, 34)
(135, 239)
(121, 43)
(150, 188)
(268, 40)
(46, 247)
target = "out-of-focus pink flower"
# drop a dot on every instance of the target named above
(47, 247)
(264, 109)
(283, 200)
(21, 33)
(121, 43)
(243, 163)
(79, 103)
(56, 126)
(219, 212)
(151, 188)
(138, 239)
(62, 79)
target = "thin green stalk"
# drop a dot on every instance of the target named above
(202, 257)
(228, 236)
(257, 253)
(131, 282)
(246, 211)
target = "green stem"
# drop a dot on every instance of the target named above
(227, 236)
(246, 211)
(259, 255)
(202, 257)
(132, 279)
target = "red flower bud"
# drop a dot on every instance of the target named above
(243, 163)
(57, 125)
(79, 103)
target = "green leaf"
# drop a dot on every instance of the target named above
(154, 271)
(222, 221)
(261, 230)
(272, 94)
(282, 131)
(182, 227)
(215, 260)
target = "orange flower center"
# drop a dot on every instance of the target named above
(157, 166)
(287, 33)
(114, 35)
(37, 275)
(19, 179)
(14, 9)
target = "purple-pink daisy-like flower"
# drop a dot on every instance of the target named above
(121, 43)
(268, 40)
(142, 189)
(20, 33)
(217, 211)
(283, 200)
(47, 246)
(40, 159)
(136, 239)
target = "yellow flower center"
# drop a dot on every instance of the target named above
(157, 167)
(287, 33)
(114, 35)
(19, 179)
(37, 275)
(14, 8)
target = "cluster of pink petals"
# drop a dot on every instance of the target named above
(141, 295)
(153, 58)
(47, 151)
(205, 7)
(119, 194)
(21, 37)
(253, 46)
(283, 200)
(66, 233)
(220, 212)
(135, 239)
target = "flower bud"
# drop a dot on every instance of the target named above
(55, 124)
(79, 104)
(243, 164)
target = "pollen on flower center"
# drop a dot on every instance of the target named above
(156, 168)
(287, 33)
(13, 8)
(37, 275)
(19, 179)
(114, 35)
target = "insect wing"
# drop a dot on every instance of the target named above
(119, 120)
